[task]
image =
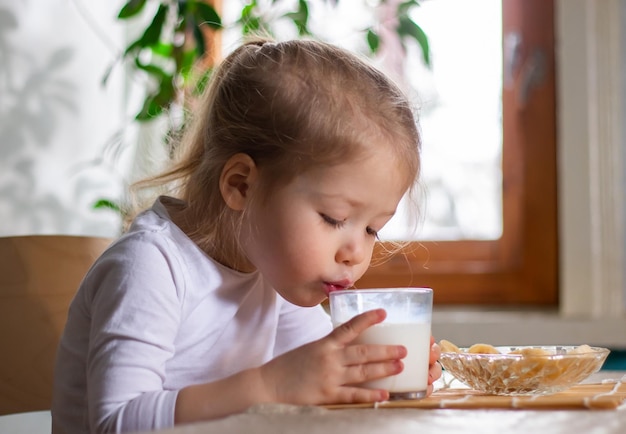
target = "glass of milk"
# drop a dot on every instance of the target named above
(408, 323)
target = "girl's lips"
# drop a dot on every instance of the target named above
(335, 286)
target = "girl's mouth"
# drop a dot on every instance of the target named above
(335, 286)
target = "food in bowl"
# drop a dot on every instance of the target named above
(521, 370)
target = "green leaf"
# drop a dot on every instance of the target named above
(251, 25)
(405, 7)
(248, 21)
(300, 18)
(408, 28)
(162, 49)
(136, 45)
(187, 61)
(130, 9)
(107, 204)
(373, 40)
(156, 103)
(153, 31)
(149, 111)
(207, 15)
(182, 6)
(202, 82)
(246, 11)
(151, 35)
(153, 70)
(198, 36)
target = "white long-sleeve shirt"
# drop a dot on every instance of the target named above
(155, 314)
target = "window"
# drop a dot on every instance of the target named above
(520, 266)
(513, 261)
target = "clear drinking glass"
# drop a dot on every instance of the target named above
(408, 323)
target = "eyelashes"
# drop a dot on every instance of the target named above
(333, 222)
(340, 223)
(372, 232)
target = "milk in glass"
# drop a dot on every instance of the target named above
(408, 323)
(415, 337)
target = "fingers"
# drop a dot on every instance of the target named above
(362, 353)
(434, 372)
(435, 353)
(348, 331)
(430, 389)
(349, 395)
(434, 368)
(371, 371)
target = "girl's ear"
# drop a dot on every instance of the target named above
(238, 175)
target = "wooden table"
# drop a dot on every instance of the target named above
(316, 420)
(276, 419)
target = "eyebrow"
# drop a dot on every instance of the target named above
(354, 203)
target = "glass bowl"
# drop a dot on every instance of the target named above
(525, 370)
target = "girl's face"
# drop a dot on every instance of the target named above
(316, 234)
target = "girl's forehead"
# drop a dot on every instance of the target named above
(356, 182)
(376, 158)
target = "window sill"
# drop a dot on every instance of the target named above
(532, 327)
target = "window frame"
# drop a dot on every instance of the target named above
(520, 268)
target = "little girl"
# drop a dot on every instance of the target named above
(210, 302)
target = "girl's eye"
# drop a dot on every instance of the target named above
(339, 223)
(372, 232)
(331, 221)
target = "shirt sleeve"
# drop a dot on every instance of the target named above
(300, 325)
(135, 315)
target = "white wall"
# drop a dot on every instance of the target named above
(56, 117)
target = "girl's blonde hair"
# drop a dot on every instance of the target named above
(290, 106)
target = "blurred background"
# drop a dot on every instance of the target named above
(70, 138)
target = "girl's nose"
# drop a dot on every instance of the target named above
(351, 252)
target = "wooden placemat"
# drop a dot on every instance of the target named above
(602, 396)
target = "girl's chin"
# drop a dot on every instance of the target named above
(310, 301)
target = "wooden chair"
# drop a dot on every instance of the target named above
(39, 275)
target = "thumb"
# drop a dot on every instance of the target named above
(350, 330)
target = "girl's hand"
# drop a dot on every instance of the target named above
(326, 371)
(434, 367)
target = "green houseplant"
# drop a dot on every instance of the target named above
(173, 49)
